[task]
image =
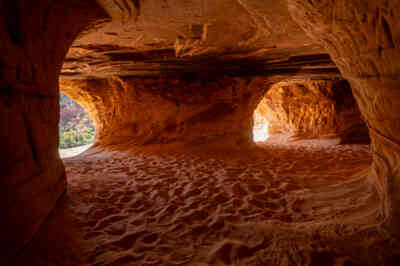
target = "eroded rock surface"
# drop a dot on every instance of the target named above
(365, 46)
(35, 36)
(143, 111)
(149, 38)
(314, 109)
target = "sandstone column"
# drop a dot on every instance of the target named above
(363, 38)
(35, 36)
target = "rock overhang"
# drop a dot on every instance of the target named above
(239, 38)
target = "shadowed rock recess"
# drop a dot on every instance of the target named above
(174, 177)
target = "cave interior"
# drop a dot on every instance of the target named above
(229, 132)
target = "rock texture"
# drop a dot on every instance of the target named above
(365, 47)
(142, 111)
(314, 109)
(152, 38)
(35, 36)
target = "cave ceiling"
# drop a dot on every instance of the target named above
(166, 38)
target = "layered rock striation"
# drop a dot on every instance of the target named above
(363, 39)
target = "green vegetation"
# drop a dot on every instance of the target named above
(76, 128)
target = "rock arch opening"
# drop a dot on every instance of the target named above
(260, 125)
(76, 129)
(311, 109)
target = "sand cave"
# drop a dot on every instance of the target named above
(229, 132)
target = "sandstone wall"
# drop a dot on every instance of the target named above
(363, 39)
(35, 36)
(310, 109)
(140, 111)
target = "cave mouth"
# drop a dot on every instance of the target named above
(260, 126)
(76, 129)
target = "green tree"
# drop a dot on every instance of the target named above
(75, 128)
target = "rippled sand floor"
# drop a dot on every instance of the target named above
(272, 205)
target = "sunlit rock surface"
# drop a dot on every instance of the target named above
(312, 109)
(260, 127)
(192, 109)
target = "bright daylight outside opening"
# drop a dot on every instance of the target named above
(76, 128)
(260, 127)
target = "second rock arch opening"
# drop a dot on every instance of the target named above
(310, 109)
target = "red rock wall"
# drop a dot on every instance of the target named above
(363, 39)
(310, 109)
(140, 111)
(35, 36)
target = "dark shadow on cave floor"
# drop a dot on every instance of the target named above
(199, 206)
